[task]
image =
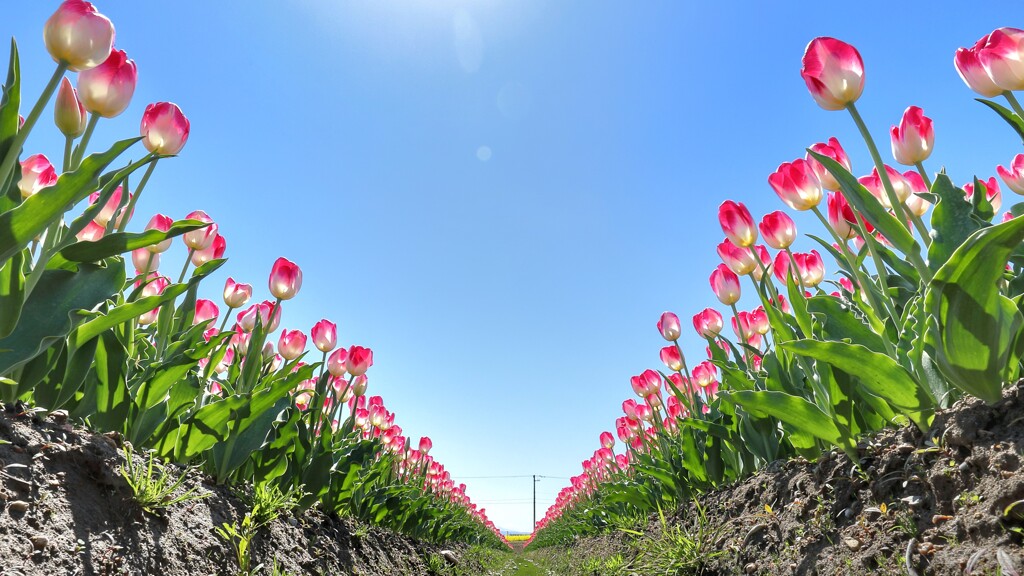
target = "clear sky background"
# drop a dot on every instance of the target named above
(500, 197)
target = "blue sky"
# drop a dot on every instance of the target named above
(500, 197)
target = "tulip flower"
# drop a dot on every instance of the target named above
(743, 325)
(359, 360)
(833, 71)
(110, 208)
(726, 285)
(68, 111)
(833, 150)
(285, 279)
(337, 363)
(797, 184)
(992, 193)
(780, 268)
(107, 89)
(841, 216)
(778, 230)
(708, 323)
(739, 260)
(1013, 176)
(214, 251)
(672, 358)
(425, 445)
(1007, 217)
(325, 335)
(668, 325)
(737, 223)
(36, 173)
(247, 318)
(154, 287)
(1002, 57)
(912, 140)
(759, 321)
(91, 233)
(145, 261)
(915, 203)
(164, 128)
(973, 73)
(607, 440)
(704, 374)
(236, 294)
(78, 36)
(292, 344)
(810, 267)
(206, 312)
(765, 262)
(203, 237)
(873, 183)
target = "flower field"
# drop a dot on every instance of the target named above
(862, 397)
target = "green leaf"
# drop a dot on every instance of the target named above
(49, 312)
(12, 292)
(951, 221)
(878, 372)
(869, 207)
(20, 225)
(106, 399)
(9, 126)
(798, 412)
(840, 323)
(1012, 119)
(122, 242)
(975, 330)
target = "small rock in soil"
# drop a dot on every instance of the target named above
(449, 556)
(39, 542)
(18, 507)
(852, 544)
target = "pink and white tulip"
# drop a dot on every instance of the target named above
(797, 184)
(672, 358)
(78, 36)
(214, 251)
(841, 216)
(915, 203)
(992, 193)
(1002, 56)
(236, 294)
(778, 230)
(160, 223)
(325, 335)
(285, 279)
(668, 325)
(1014, 175)
(292, 344)
(833, 71)
(873, 182)
(203, 237)
(739, 260)
(810, 267)
(68, 112)
(112, 206)
(107, 89)
(359, 360)
(765, 264)
(36, 173)
(833, 150)
(708, 323)
(737, 223)
(164, 129)
(725, 284)
(145, 261)
(154, 287)
(972, 72)
(206, 312)
(913, 139)
(337, 363)
(91, 233)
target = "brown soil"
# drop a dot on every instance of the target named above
(65, 509)
(920, 505)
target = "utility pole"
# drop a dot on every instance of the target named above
(534, 502)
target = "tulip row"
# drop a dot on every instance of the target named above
(143, 356)
(926, 308)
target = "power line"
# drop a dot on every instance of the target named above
(518, 476)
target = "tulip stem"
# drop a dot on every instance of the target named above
(127, 213)
(924, 175)
(921, 229)
(188, 260)
(883, 273)
(69, 145)
(227, 316)
(897, 205)
(76, 158)
(1014, 103)
(742, 332)
(19, 139)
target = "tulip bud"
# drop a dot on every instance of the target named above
(68, 111)
(206, 312)
(725, 285)
(707, 323)
(36, 173)
(833, 71)
(325, 335)
(671, 357)
(78, 36)
(145, 261)
(992, 193)
(607, 440)
(797, 184)
(778, 230)
(336, 363)
(1014, 176)
(285, 279)
(834, 151)
(737, 223)
(203, 237)
(236, 294)
(107, 89)
(359, 384)
(668, 325)
(164, 128)
(971, 71)
(739, 260)
(1002, 56)
(912, 140)
(110, 208)
(212, 252)
(359, 360)
(915, 203)
(841, 216)
(292, 344)
(425, 445)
